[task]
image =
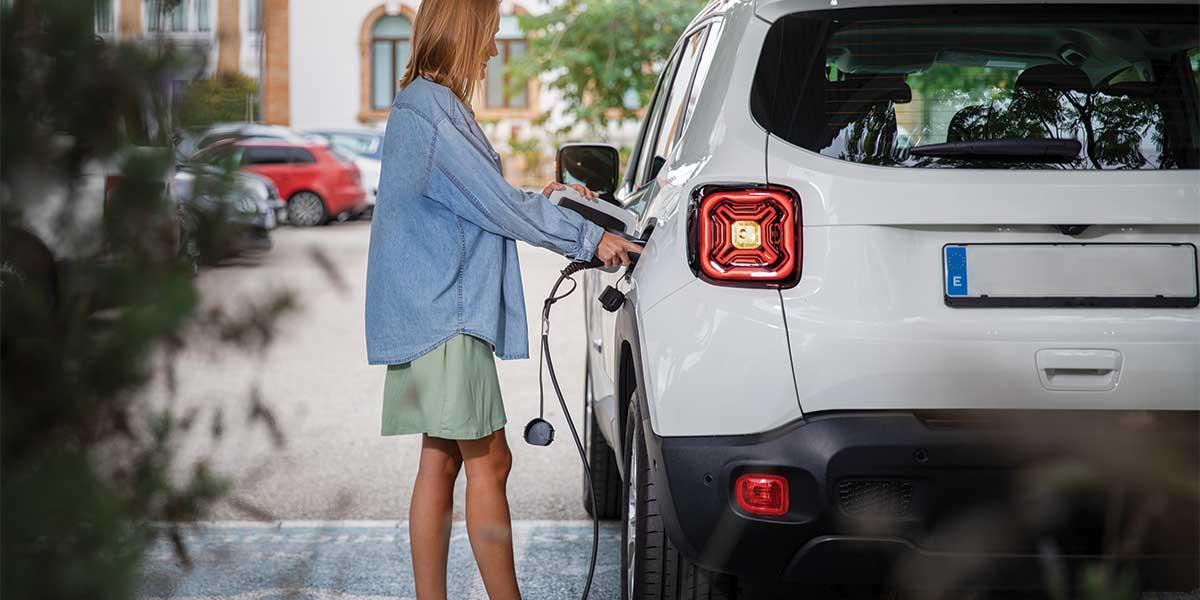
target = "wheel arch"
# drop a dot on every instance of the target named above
(630, 378)
(628, 368)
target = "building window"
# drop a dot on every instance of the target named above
(511, 43)
(154, 15)
(185, 16)
(254, 15)
(105, 21)
(390, 48)
(179, 16)
(203, 17)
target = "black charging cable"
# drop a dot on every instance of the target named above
(539, 432)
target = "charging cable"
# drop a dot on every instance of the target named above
(539, 432)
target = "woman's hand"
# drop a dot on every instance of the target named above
(554, 186)
(614, 250)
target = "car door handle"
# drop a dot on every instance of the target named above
(598, 344)
(1078, 369)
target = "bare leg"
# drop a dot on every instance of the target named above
(489, 527)
(429, 515)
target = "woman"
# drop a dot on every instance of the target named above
(444, 288)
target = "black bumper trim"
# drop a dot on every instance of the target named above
(955, 461)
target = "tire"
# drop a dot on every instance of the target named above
(307, 209)
(606, 479)
(651, 566)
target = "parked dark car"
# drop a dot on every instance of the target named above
(245, 205)
(318, 182)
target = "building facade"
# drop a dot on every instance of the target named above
(347, 57)
(326, 64)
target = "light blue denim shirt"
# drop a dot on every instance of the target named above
(443, 259)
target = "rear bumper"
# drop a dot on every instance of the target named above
(352, 199)
(880, 495)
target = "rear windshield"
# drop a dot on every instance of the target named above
(1028, 87)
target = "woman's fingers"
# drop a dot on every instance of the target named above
(554, 186)
(589, 194)
(614, 250)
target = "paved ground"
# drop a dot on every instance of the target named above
(334, 465)
(368, 560)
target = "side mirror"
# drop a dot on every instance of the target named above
(596, 166)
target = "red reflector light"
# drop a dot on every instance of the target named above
(762, 494)
(748, 235)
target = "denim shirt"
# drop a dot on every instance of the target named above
(443, 259)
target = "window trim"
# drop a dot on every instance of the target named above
(631, 171)
(367, 112)
(393, 45)
(632, 182)
(657, 116)
(691, 82)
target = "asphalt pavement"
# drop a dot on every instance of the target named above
(363, 560)
(323, 514)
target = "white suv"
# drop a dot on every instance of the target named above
(900, 255)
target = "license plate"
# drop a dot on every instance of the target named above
(1070, 275)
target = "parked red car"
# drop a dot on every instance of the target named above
(319, 182)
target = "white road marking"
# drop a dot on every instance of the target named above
(291, 593)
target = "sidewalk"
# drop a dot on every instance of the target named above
(369, 560)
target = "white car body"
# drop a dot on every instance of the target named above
(867, 328)
(369, 169)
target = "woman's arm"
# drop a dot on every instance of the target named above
(488, 201)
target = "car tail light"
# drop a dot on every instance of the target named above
(747, 236)
(762, 494)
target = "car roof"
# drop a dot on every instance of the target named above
(270, 141)
(370, 132)
(771, 10)
(252, 130)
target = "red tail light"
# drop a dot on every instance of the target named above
(747, 236)
(762, 494)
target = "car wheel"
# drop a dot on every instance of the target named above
(606, 479)
(306, 209)
(651, 566)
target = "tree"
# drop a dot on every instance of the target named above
(227, 97)
(93, 310)
(603, 56)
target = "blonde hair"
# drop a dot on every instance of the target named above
(447, 41)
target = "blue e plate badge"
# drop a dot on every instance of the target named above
(956, 270)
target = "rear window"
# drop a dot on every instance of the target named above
(265, 155)
(1029, 87)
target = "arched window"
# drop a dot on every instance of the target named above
(510, 41)
(391, 43)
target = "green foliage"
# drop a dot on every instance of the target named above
(94, 308)
(599, 54)
(220, 99)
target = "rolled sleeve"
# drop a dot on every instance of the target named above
(588, 240)
(487, 200)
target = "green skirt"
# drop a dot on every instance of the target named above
(450, 392)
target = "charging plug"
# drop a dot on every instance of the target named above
(539, 432)
(611, 299)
